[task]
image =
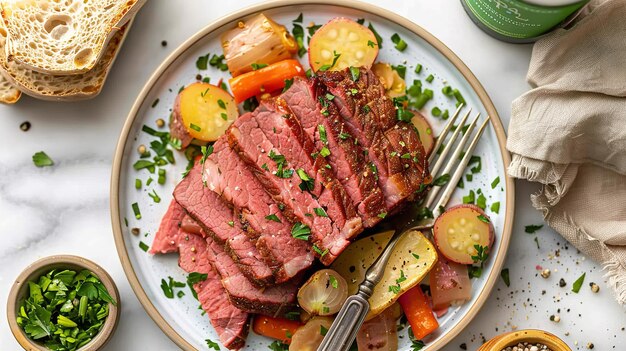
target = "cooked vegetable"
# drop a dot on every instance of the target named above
(204, 110)
(309, 337)
(41, 159)
(64, 309)
(324, 293)
(265, 80)
(276, 328)
(342, 43)
(460, 230)
(410, 261)
(381, 332)
(257, 41)
(425, 131)
(394, 84)
(418, 313)
(449, 283)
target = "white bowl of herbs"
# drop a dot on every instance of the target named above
(63, 303)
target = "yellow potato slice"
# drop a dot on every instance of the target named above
(206, 110)
(412, 258)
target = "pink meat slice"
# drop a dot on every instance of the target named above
(166, 237)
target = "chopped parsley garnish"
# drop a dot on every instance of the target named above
(195, 127)
(300, 231)
(424, 213)
(417, 257)
(382, 215)
(474, 271)
(442, 180)
(325, 152)
(224, 116)
(273, 217)
(307, 183)
(323, 329)
(221, 104)
(288, 84)
(578, 283)
(322, 130)
(482, 252)
(281, 162)
(333, 281)
(154, 103)
(294, 315)
(231, 223)
(379, 39)
(136, 211)
(495, 207)
(374, 170)
(168, 286)
(155, 197)
(319, 251)
(530, 229)
(320, 212)
(202, 62)
(250, 104)
(41, 159)
(495, 182)
(212, 345)
(278, 346)
(206, 152)
(401, 69)
(193, 278)
(344, 136)
(143, 246)
(355, 73)
(504, 274)
(256, 66)
(313, 28)
(64, 309)
(394, 289)
(475, 160)
(481, 201)
(400, 44)
(326, 67)
(470, 198)
(218, 62)
(483, 218)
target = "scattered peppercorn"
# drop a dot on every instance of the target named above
(545, 273)
(164, 43)
(463, 346)
(590, 345)
(160, 123)
(25, 126)
(555, 319)
(135, 231)
(198, 77)
(141, 149)
(594, 287)
(562, 282)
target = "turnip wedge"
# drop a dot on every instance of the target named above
(462, 232)
(342, 43)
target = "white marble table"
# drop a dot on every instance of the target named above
(65, 208)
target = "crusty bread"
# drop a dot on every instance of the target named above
(9, 94)
(63, 87)
(63, 37)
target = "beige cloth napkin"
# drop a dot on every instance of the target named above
(569, 134)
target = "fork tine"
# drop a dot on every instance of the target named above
(460, 170)
(432, 194)
(442, 158)
(444, 133)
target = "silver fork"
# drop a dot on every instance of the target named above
(344, 328)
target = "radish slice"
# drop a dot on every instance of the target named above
(459, 229)
(345, 41)
(425, 131)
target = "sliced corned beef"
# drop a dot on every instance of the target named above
(275, 147)
(311, 104)
(227, 175)
(230, 323)
(166, 237)
(218, 220)
(274, 300)
(371, 117)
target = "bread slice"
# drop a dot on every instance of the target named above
(9, 94)
(63, 87)
(63, 37)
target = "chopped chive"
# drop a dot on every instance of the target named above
(320, 212)
(41, 159)
(300, 231)
(221, 104)
(481, 201)
(154, 196)
(400, 44)
(442, 180)
(224, 116)
(430, 78)
(195, 127)
(136, 211)
(495, 207)
(325, 152)
(156, 102)
(483, 218)
(231, 223)
(354, 73)
(436, 111)
(322, 132)
(418, 68)
(401, 69)
(379, 39)
(530, 229)
(144, 246)
(382, 215)
(256, 66)
(273, 217)
(447, 90)
(495, 182)
(137, 183)
(161, 179)
(469, 199)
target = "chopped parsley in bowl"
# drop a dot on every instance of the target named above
(63, 303)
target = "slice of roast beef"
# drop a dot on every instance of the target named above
(166, 237)
(218, 220)
(320, 119)
(274, 300)
(371, 117)
(227, 175)
(230, 323)
(276, 148)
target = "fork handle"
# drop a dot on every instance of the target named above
(346, 325)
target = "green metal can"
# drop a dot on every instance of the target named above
(521, 21)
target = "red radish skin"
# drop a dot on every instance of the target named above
(449, 282)
(355, 43)
(425, 131)
(458, 229)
